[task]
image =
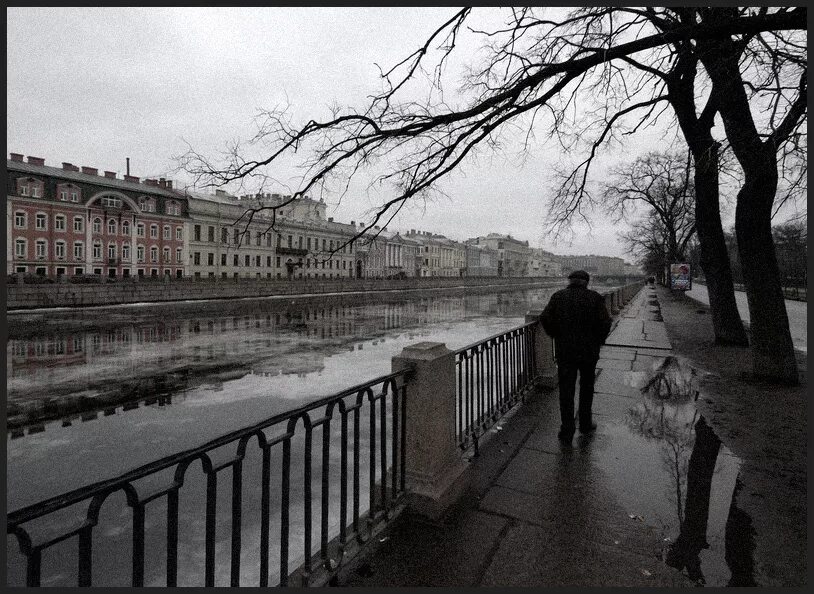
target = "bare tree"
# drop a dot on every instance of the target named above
(567, 72)
(662, 184)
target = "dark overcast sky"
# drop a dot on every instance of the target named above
(93, 86)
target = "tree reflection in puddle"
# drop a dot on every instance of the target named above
(714, 545)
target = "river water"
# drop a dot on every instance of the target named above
(94, 393)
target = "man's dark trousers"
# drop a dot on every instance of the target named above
(567, 374)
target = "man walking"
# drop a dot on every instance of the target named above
(578, 321)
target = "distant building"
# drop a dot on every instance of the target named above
(513, 255)
(592, 264)
(72, 221)
(544, 264)
(480, 260)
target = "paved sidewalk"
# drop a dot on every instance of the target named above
(604, 511)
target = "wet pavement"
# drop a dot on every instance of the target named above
(650, 499)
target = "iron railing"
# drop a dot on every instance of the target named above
(492, 376)
(379, 448)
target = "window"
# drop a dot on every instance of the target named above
(21, 248)
(111, 226)
(235, 260)
(278, 261)
(142, 204)
(140, 230)
(24, 189)
(125, 252)
(196, 233)
(196, 258)
(166, 254)
(111, 201)
(268, 239)
(224, 235)
(259, 239)
(179, 233)
(223, 259)
(257, 261)
(248, 237)
(154, 231)
(78, 250)
(63, 195)
(140, 255)
(211, 234)
(36, 190)
(210, 259)
(97, 225)
(289, 241)
(74, 196)
(111, 251)
(20, 221)
(308, 243)
(59, 250)
(40, 248)
(125, 227)
(167, 232)
(247, 259)
(236, 237)
(268, 261)
(178, 255)
(41, 222)
(97, 250)
(153, 254)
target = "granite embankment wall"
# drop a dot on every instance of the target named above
(63, 294)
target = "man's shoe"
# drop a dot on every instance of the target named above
(589, 429)
(565, 436)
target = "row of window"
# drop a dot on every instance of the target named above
(60, 223)
(78, 271)
(245, 237)
(41, 251)
(36, 188)
(247, 260)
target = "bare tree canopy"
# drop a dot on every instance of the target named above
(536, 67)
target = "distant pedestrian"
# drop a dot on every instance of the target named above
(578, 321)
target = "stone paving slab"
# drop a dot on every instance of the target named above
(533, 555)
(620, 364)
(457, 553)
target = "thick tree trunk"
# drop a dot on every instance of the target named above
(772, 348)
(726, 320)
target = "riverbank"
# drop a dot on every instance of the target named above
(68, 295)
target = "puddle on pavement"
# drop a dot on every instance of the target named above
(671, 471)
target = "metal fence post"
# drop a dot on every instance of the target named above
(434, 467)
(543, 352)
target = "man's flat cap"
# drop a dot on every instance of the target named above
(580, 274)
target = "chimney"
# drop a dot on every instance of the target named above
(169, 184)
(151, 182)
(330, 219)
(110, 174)
(128, 166)
(130, 178)
(35, 161)
(17, 157)
(162, 181)
(353, 223)
(88, 170)
(67, 166)
(220, 193)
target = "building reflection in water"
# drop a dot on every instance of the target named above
(692, 457)
(68, 364)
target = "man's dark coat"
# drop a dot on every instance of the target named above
(577, 319)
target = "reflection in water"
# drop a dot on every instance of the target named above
(62, 364)
(713, 544)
